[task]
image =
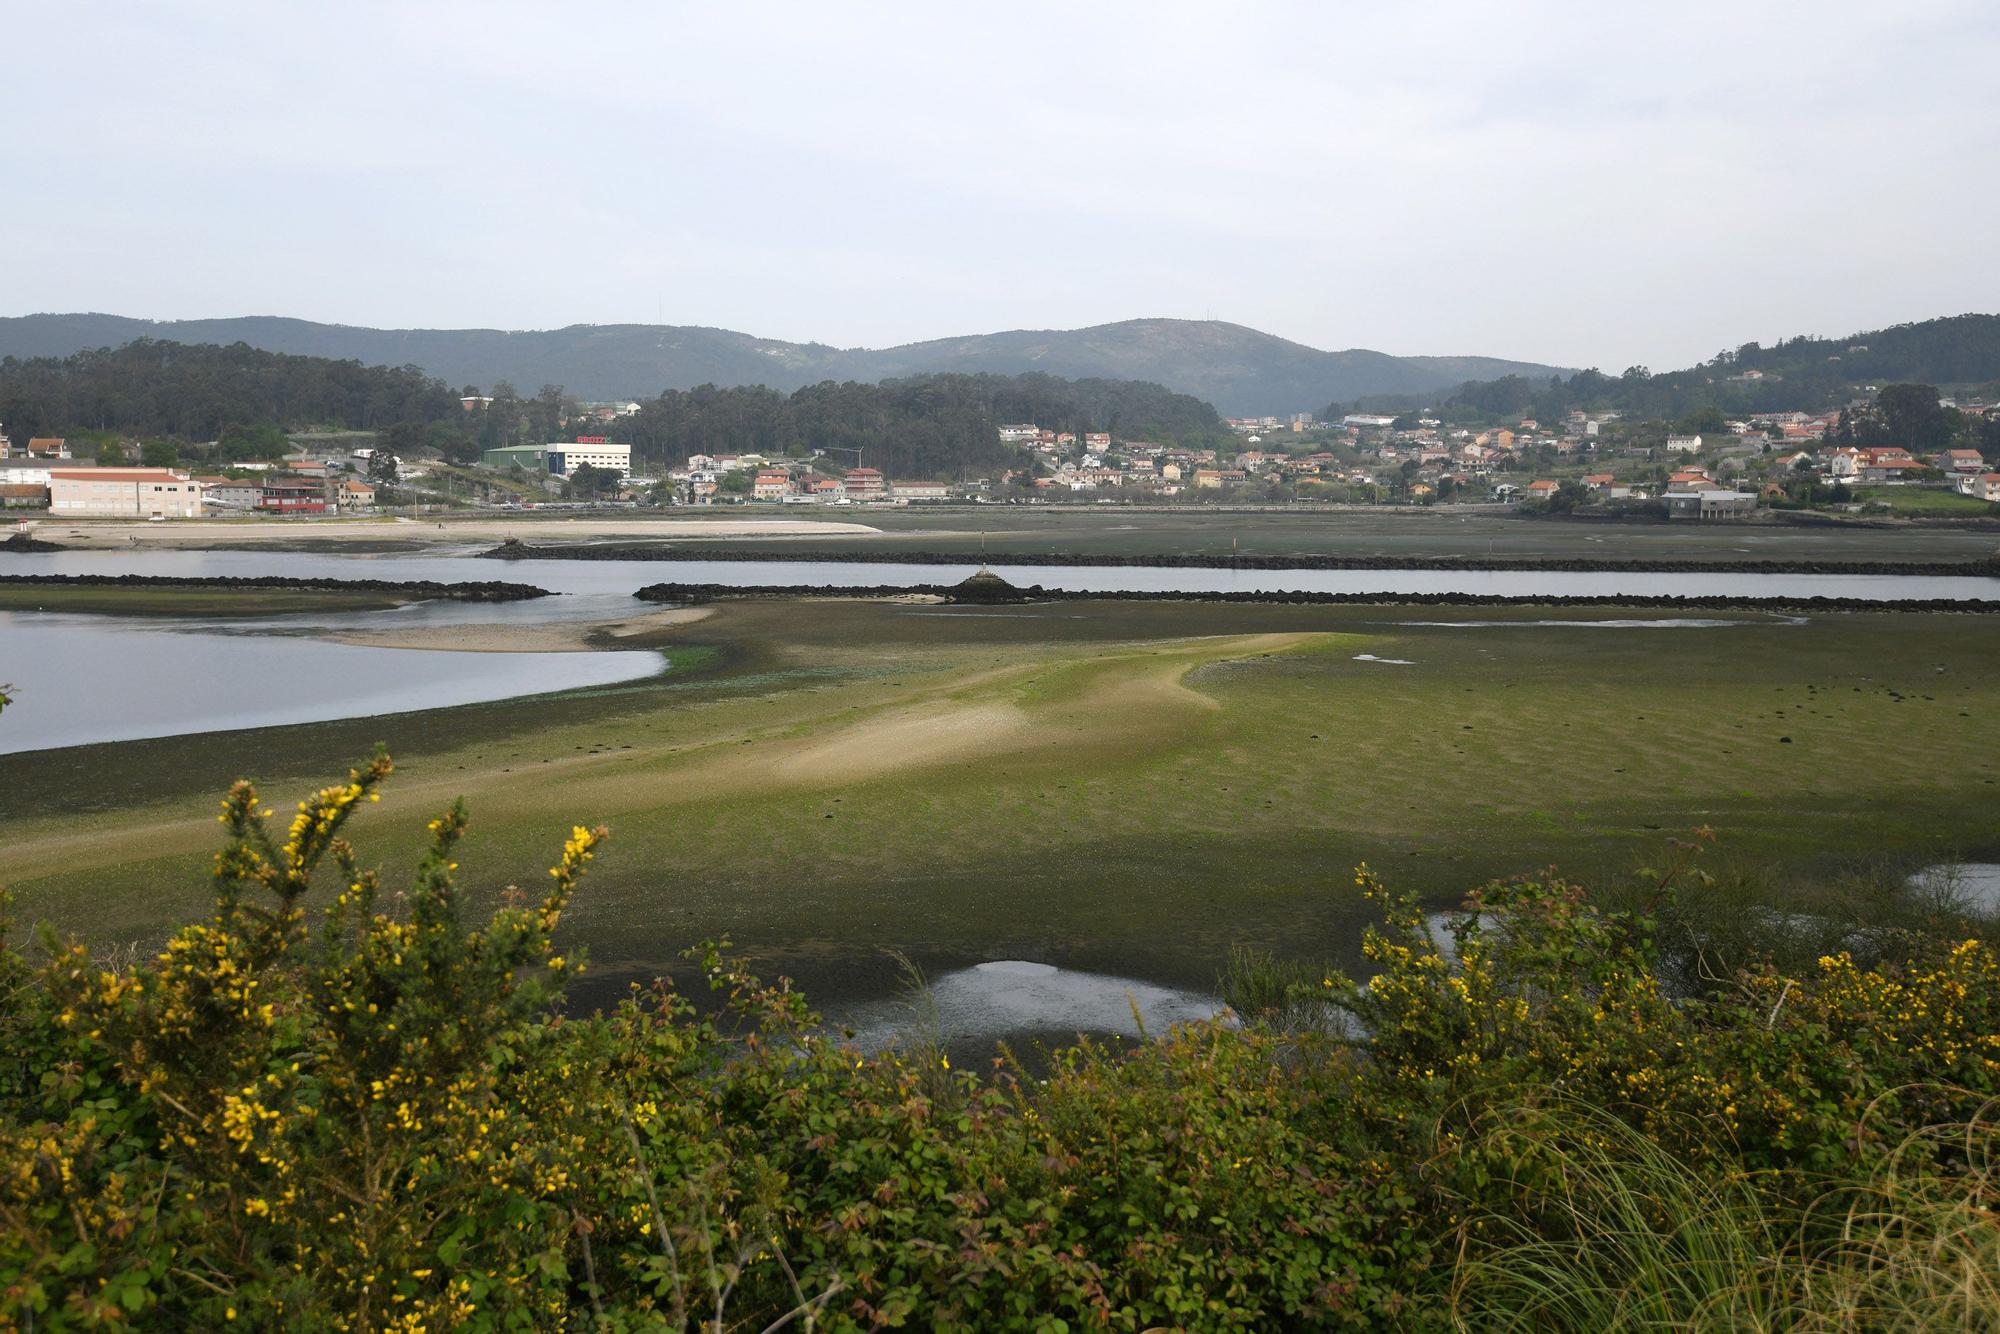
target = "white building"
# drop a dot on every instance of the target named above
(123, 493)
(598, 454)
(1016, 433)
(1684, 444)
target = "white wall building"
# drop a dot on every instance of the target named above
(123, 493)
(617, 458)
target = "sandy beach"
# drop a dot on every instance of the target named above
(103, 533)
(558, 637)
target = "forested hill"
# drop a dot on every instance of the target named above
(924, 426)
(169, 390)
(921, 426)
(1239, 370)
(1807, 373)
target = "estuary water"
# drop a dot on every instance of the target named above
(592, 586)
(94, 678)
(82, 679)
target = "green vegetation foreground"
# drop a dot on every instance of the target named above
(368, 1114)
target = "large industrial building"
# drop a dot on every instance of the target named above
(561, 459)
(124, 493)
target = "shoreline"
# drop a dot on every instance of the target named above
(702, 594)
(1989, 566)
(414, 590)
(116, 534)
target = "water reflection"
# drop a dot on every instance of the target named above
(83, 679)
(1008, 998)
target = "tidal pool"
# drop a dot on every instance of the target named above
(1011, 998)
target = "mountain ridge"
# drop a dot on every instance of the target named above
(1240, 370)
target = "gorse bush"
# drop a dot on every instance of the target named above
(336, 1106)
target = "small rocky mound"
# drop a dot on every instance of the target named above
(986, 589)
(511, 549)
(21, 540)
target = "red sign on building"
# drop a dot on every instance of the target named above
(591, 439)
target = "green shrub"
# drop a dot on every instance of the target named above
(370, 1113)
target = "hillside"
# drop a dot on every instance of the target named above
(1811, 374)
(1241, 371)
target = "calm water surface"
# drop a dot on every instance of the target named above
(592, 587)
(89, 678)
(80, 679)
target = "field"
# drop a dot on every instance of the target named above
(1924, 502)
(1132, 787)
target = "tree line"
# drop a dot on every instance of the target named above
(1804, 373)
(922, 426)
(196, 392)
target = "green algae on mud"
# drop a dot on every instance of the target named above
(1132, 787)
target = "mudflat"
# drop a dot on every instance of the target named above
(1127, 787)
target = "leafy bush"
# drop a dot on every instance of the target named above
(374, 1115)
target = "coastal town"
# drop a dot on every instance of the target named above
(1593, 462)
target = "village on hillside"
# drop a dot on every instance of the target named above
(1591, 462)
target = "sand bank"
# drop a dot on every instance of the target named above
(557, 637)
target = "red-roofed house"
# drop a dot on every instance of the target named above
(281, 493)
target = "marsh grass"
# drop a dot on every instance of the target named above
(1280, 995)
(1631, 1239)
(1634, 1238)
(1749, 913)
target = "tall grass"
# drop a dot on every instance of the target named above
(1915, 1248)
(1605, 1230)
(1279, 995)
(1742, 914)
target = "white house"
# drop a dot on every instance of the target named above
(1986, 486)
(1684, 444)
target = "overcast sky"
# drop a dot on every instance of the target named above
(1595, 183)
